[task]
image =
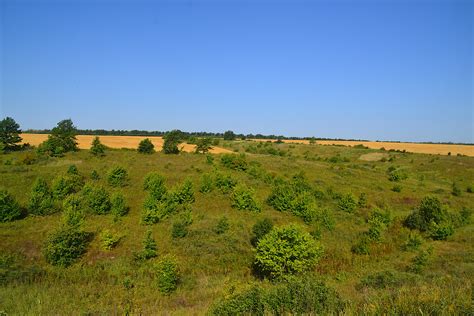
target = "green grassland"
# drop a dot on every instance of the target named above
(216, 266)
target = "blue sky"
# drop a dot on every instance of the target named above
(386, 70)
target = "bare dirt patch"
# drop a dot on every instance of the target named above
(84, 142)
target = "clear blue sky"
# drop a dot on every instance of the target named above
(387, 70)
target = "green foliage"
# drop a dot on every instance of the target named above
(154, 183)
(117, 177)
(65, 246)
(167, 275)
(229, 135)
(440, 231)
(347, 203)
(9, 208)
(203, 145)
(234, 161)
(9, 134)
(97, 148)
(119, 205)
(397, 188)
(41, 199)
(95, 175)
(362, 200)
(182, 194)
(155, 211)
(179, 230)
(419, 263)
(243, 198)
(172, 140)
(73, 210)
(260, 229)
(146, 146)
(285, 251)
(62, 186)
(97, 199)
(397, 175)
(295, 296)
(222, 226)
(456, 190)
(150, 249)
(108, 240)
(61, 140)
(430, 210)
(207, 183)
(209, 159)
(413, 242)
(72, 169)
(225, 183)
(362, 245)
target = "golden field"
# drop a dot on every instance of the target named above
(84, 142)
(436, 149)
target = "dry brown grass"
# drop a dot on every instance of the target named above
(84, 142)
(437, 149)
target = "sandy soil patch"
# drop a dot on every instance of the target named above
(84, 142)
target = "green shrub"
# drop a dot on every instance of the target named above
(419, 263)
(65, 185)
(456, 190)
(397, 188)
(108, 240)
(397, 175)
(304, 206)
(440, 231)
(179, 230)
(243, 198)
(64, 246)
(413, 242)
(149, 250)
(73, 210)
(97, 148)
(207, 184)
(117, 177)
(362, 203)
(167, 275)
(9, 208)
(203, 145)
(172, 140)
(119, 205)
(470, 189)
(155, 211)
(326, 219)
(183, 194)
(347, 203)
(222, 226)
(250, 302)
(225, 183)
(154, 183)
(95, 175)
(285, 251)
(72, 169)
(234, 161)
(61, 139)
(260, 229)
(41, 199)
(97, 199)
(430, 210)
(362, 245)
(146, 147)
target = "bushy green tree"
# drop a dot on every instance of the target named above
(9, 208)
(150, 250)
(154, 183)
(222, 225)
(203, 145)
(182, 194)
(64, 246)
(243, 198)
(61, 140)
(146, 147)
(41, 198)
(260, 229)
(167, 275)
(97, 199)
(97, 148)
(285, 251)
(64, 185)
(9, 134)
(108, 240)
(73, 210)
(172, 140)
(234, 161)
(229, 135)
(347, 203)
(119, 205)
(207, 183)
(117, 177)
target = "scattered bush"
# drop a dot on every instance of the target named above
(260, 229)
(9, 134)
(65, 185)
(285, 251)
(154, 183)
(456, 190)
(362, 246)
(61, 140)
(430, 210)
(183, 194)
(119, 206)
(9, 209)
(155, 211)
(97, 148)
(414, 241)
(95, 175)
(108, 240)
(234, 161)
(397, 188)
(347, 203)
(172, 140)
(222, 226)
(225, 183)
(97, 199)
(207, 184)
(243, 198)
(440, 231)
(397, 175)
(362, 200)
(146, 147)
(117, 177)
(421, 260)
(41, 199)
(149, 248)
(167, 275)
(73, 210)
(179, 230)
(229, 135)
(64, 246)
(203, 145)
(72, 169)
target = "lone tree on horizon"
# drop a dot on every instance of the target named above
(172, 140)
(9, 134)
(229, 135)
(203, 145)
(146, 147)
(61, 140)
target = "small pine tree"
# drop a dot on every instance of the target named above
(9, 134)
(149, 246)
(146, 147)
(167, 275)
(119, 205)
(41, 198)
(9, 208)
(97, 148)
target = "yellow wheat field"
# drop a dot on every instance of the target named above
(84, 142)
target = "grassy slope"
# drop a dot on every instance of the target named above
(213, 264)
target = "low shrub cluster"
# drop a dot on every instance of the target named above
(167, 275)
(347, 203)
(117, 177)
(260, 229)
(64, 246)
(109, 240)
(41, 200)
(97, 199)
(243, 198)
(10, 210)
(234, 161)
(150, 250)
(64, 185)
(378, 222)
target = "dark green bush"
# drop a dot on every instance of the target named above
(146, 147)
(73, 210)
(397, 188)
(347, 203)
(179, 230)
(62, 139)
(182, 194)
(234, 161)
(222, 226)
(97, 199)
(41, 199)
(285, 251)
(413, 242)
(72, 169)
(119, 205)
(172, 140)
(9, 209)
(154, 183)
(419, 263)
(109, 240)
(97, 148)
(155, 211)
(64, 246)
(456, 190)
(65, 185)
(225, 183)
(397, 175)
(95, 175)
(149, 250)
(440, 231)
(243, 198)
(430, 210)
(207, 184)
(260, 229)
(167, 275)
(362, 245)
(203, 145)
(117, 177)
